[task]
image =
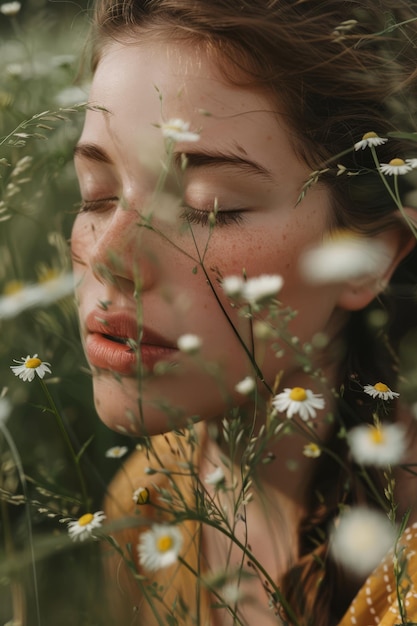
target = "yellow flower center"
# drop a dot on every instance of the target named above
(85, 519)
(33, 363)
(164, 543)
(370, 135)
(397, 162)
(298, 394)
(13, 287)
(381, 387)
(142, 495)
(377, 436)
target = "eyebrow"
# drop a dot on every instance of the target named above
(92, 152)
(214, 158)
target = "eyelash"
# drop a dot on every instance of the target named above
(97, 205)
(201, 218)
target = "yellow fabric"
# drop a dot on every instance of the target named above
(375, 604)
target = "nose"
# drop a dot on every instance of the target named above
(122, 254)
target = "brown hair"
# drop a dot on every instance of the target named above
(336, 70)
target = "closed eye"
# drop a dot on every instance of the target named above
(201, 217)
(102, 204)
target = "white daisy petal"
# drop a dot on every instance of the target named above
(84, 526)
(27, 367)
(159, 547)
(298, 400)
(361, 539)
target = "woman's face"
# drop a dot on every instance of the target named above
(148, 269)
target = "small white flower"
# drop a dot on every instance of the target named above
(159, 547)
(29, 366)
(312, 450)
(380, 445)
(176, 129)
(380, 391)
(245, 386)
(231, 593)
(116, 452)
(368, 140)
(216, 477)
(232, 286)
(343, 256)
(361, 539)
(83, 527)
(190, 344)
(10, 8)
(141, 495)
(44, 293)
(261, 287)
(396, 167)
(298, 400)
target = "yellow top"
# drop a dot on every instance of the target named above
(129, 591)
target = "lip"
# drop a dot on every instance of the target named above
(106, 353)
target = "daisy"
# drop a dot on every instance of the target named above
(261, 287)
(190, 344)
(116, 452)
(380, 391)
(370, 139)
(216, 477)
(141, 495)
(298, 400)
(343, 256)
(361, 539)
(10, 8)
(245, 386)
(27, 367)
(396, 167)
(176, 129)
(18, 297)
(83, 527)
(312, 450)
(380, 445)
(159, 547)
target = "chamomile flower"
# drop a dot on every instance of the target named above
(117, 452)
(10, 8)
(361, 539)
(370, 139)
(159, 547)
(141, 495)
(380, 445)
(18, 297)
(380, 391)
(298, 400)
(245, 386)
(312, 450)
(396, 167)
(190, 344)
(84, 526)
(176, 129)
(216, 477)
(29, 366)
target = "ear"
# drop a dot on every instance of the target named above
(399, 240)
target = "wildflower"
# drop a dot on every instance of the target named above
(412, 163)
(141, 495)
(370, 139)
(116, 452)
(343, 256)
(159, 547)
(190, 344)
(298, 400)
(245, 386)
(29, 366)
(312, 450)
(18, 297)
(232, 286)
(361, 539)
(10, 8)
(176, 129)
(396, 167)
(253, 290)
(380, 445)
(216, 477)
(381, 391)
(83, 527)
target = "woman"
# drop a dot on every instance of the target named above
(207, 120)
